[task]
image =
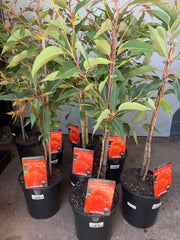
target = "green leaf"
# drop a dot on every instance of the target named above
(162, 32)
(158, 43)
(79, 46)
(104, 115)
(133, 106)
(146, 127)
(138, 116)
(92, 61)
(45, 122)
(51, 77)
(103, 46)
(166, 107)
(134, 136)
(151, 103)
(177, 88)
(68, 93)
(176, 24)
(89, 87)
(136, 45)
(15, 38)
(118, 126)
(43, 14)
(175, 35)
(161, 16)
(56, 23)
(45, 56)
(16, 59)
(61, 3)
(102, 84)
(141, 70)
(68, 70)
(113, 97)
(106, 26)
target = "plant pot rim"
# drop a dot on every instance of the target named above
(42, 188)
(134, 193)
(89, 214)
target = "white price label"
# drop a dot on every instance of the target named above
(96, 225)
(131, 205)
(114, 166)
(37, 197)
(157, 205)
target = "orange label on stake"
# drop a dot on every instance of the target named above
(162, 180)
(74, 134)
(82, 161)
(55, 141)
(116, 147)
(99, 196)
(34, 172)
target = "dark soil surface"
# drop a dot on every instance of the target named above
(132, 180)
(31, 138)
(56, 174)
(78, 196)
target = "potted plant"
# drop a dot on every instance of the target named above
(41, 97)
(107, 97)
(140, 204)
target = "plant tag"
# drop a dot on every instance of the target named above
(34, 171)
(37, 197)
(131, 205)
(99, 196)
(117, 148)
(55, 141)
(74, 134)
(114, 166)
(96, 225)
(157, 205)
(83, 161)
(162, 179)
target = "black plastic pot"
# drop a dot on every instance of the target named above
(42, 203)
(115, 167)
(93, 226)
(75, 179)
(26, 149)
(88, 146)
(140, 211)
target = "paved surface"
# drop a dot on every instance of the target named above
(16, 224)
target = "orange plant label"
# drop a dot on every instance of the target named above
(82, 161)
(162, 180)
(34, 170)
(116, 147)
(74, 134)
(55, 141)
(99, 196)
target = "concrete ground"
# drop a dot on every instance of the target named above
(17, 224)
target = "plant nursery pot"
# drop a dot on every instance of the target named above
(91, 145)
(44, 202)
(26, 149)
(75, 179)
(140, 211)
(93, 226)
(115, 167)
